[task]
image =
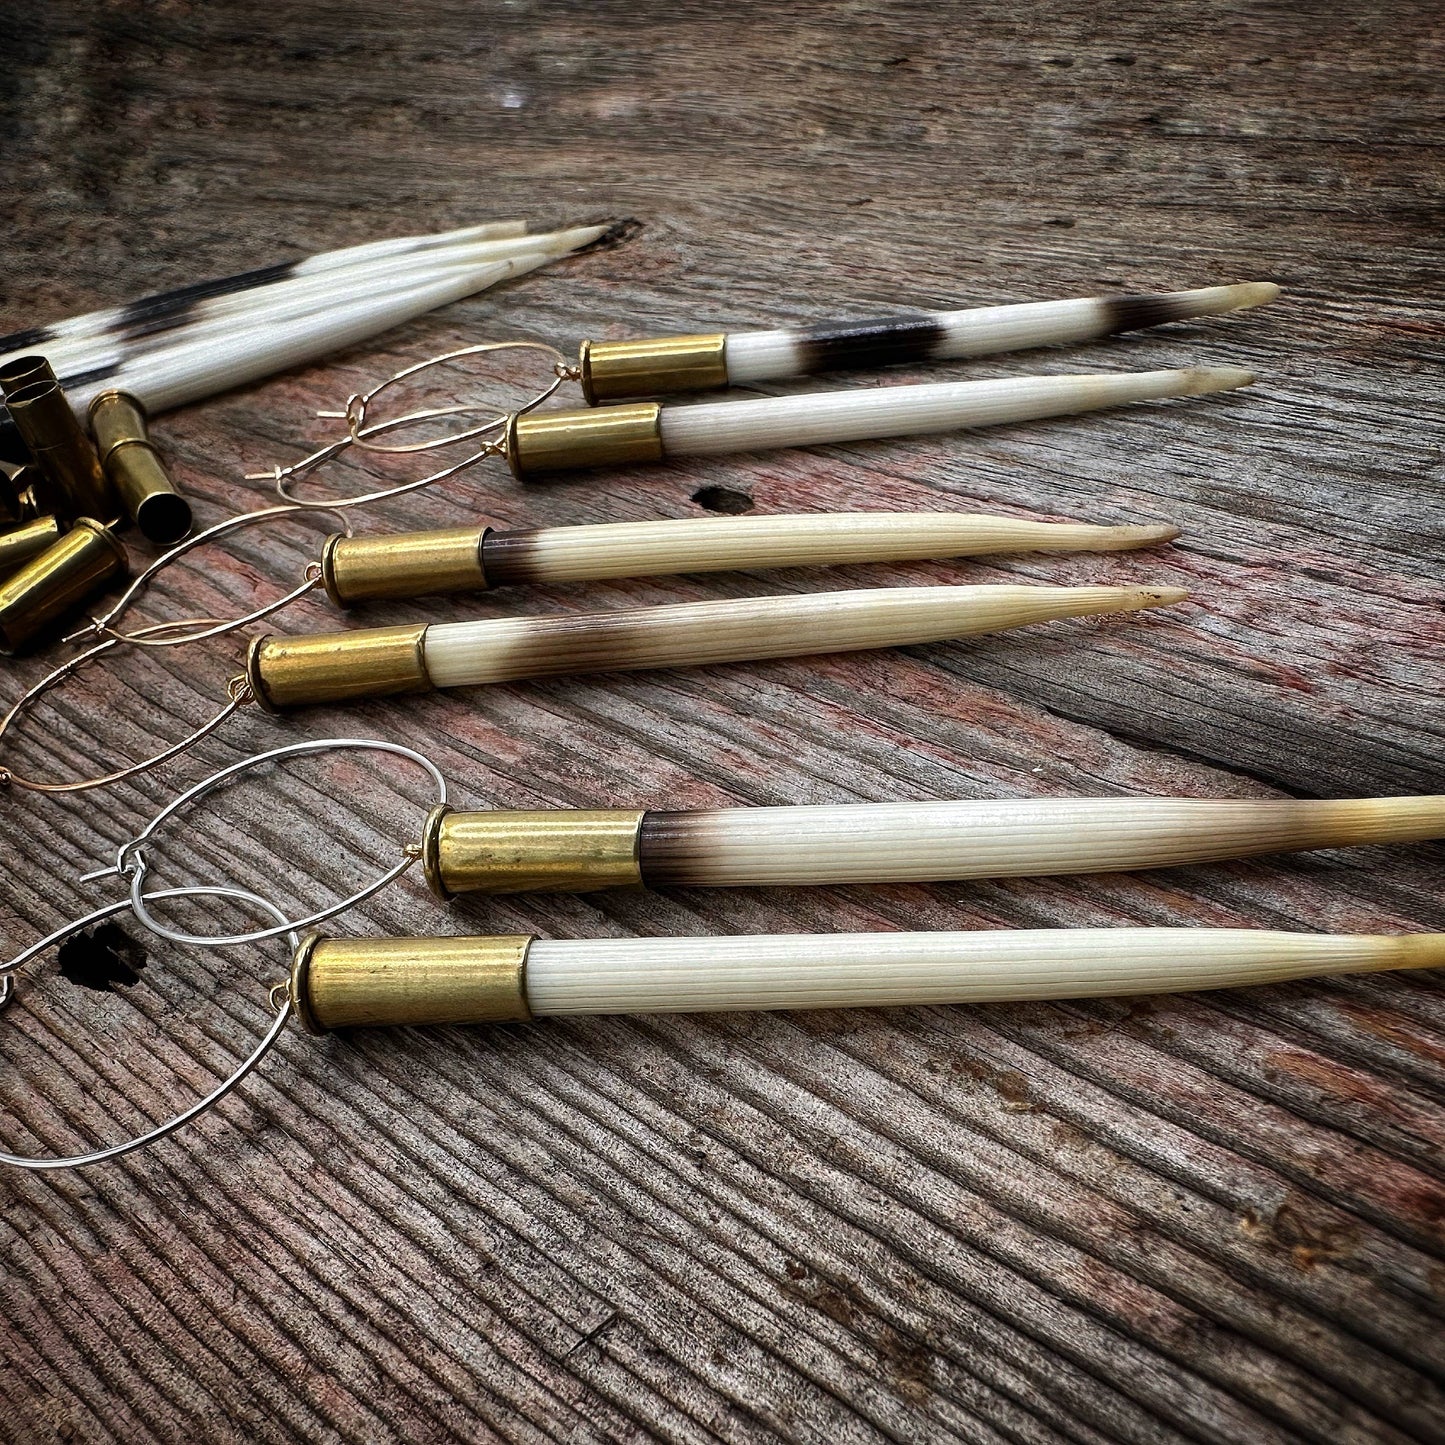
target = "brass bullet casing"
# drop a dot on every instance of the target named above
(332, 666)
(13, 502)
(561, 440)
(62, 451)
(403, 564)
(57, 580)
(24, 494)
(612, 370)
(573, 851)
(342, 983)
(134, 468)
(20, 544)
(22, 370)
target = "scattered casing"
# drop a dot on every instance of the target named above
(19, 544)
(53, 583)
(135, 470)
(61, 450)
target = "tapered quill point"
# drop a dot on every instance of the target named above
(1200, 380)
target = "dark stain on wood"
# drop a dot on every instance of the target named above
(102, 958)
(727, 500)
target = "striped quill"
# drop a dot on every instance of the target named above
(179, 346)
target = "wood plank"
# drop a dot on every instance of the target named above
(1191, 1219)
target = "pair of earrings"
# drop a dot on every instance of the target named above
(338, 983)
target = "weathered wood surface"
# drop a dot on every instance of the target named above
(1200, 1218)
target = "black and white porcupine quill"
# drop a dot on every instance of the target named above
(620, 370)
(179, 346)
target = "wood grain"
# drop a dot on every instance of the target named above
(1206, 1218)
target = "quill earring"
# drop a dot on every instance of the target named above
(610, 371)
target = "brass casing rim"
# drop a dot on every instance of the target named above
(116, 395)
(328, 568)
(300, 968)
(509, 446)
(619, 370)
(106, 536)
(253, 674)
(431, 852)
(412, 637)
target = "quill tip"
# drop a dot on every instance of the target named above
(1200, 380)
(1254, 293)
(1143, 535)
(1163, 596)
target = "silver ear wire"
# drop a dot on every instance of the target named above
(131, 861)
(279, 997)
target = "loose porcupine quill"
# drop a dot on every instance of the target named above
(180, 346)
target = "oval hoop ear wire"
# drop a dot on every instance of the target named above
(268, 1042)
(238, 694)
(130, 859)
(361, 434)
(205, 627)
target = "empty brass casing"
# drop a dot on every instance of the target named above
(340, 983)
(560, 440)
(332, 666)
(61, 450)
(612, 370)
(20, 544)
(25, 493)
(12, 501)
(572, 851)
(57, 580)
(22, 370)
(134, 468)
(403, 564)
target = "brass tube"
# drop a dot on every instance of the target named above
(22, 370)
(339, 983)
(134, 468)
(62, 451)
(571, 851)
(403, 564)
(332, 666)
(25, 494)
(561, 440)
(612, 370)
(57, 580)
(20, 544)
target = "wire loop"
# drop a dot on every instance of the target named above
(131, 861)
(104, 625)
(236, 698)
(490, 433)
(268, 1042)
